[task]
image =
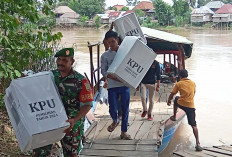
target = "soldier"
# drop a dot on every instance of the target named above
(77, 97)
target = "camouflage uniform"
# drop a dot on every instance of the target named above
(75, 92)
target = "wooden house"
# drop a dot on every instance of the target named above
(104, 18)
(224, 14)
(214, 5)
(65, 15)
(113, 16)
(202, 14)
(145, 6)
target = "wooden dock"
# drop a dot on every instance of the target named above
(146, 135)
(215, 151)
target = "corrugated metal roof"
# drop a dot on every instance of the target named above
(114, 14)
(225, 9)
(153, 33)
(214, 4)
(202, 10)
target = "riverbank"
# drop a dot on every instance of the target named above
(8, 141)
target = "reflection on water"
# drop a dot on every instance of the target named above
(209, 66)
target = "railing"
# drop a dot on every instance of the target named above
(94, 82)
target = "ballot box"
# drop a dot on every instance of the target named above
(132, 61)
(128, 25)
(36, 111)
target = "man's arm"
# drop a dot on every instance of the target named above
(169, 99)
(113, 78)
(83, 111)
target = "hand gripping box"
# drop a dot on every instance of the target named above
(36, 111)
(128, 25)
(132, 61)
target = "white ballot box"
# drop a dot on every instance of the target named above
(36, 111)
(132, 61)
(128, 25)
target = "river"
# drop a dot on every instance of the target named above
(209, 66)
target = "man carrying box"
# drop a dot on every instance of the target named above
(77, 97)
(115, 87)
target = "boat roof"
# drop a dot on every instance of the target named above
(164, 41)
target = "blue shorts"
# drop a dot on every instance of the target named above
(190, 112)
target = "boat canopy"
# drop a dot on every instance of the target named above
(163, 42)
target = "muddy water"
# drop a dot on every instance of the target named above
(209, 66)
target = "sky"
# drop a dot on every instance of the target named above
(123, 2)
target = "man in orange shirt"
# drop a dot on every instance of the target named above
(185, 101)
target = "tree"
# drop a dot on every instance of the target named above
(97, 21)
(139, 13)
(132, 2)
(181, 12)
(124, 9)
(163, 12)
(87, 7)
(113, 8)
(24, 43)
(83, 19)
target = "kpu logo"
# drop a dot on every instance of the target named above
(39, 106)
(135, 65)
(133, 32)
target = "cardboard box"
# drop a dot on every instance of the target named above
(36, 111)
(132, 61)
(128, 25)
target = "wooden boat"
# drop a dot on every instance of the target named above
(149, 137)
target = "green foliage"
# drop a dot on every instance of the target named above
(82, 20)
(163, 12)
(124, 9)
(24, 44)
(112, 8)
(181, 12)
(139, 13)
(150, 24)
(87, 7)
(97, 21)
(180, 7)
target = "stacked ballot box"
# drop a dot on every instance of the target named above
(36, 111)
(128, 25)
(132, 61)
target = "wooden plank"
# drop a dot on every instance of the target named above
(122, 142)
(190, 153)
(221, 151)
(118, 153)
(104, 133)
(143, 131)
(116, 133)
(214, 154)
(153, 133)
(98, 128)
(228, 148)
(124, 147)
(134, 128)
(92, 126)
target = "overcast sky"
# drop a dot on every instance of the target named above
(123, 2)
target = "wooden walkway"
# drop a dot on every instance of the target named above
(215, 151)
(146, 135)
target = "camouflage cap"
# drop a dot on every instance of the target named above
(65, 52)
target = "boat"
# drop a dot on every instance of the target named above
(149, 138)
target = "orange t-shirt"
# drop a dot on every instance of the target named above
(187, 89)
